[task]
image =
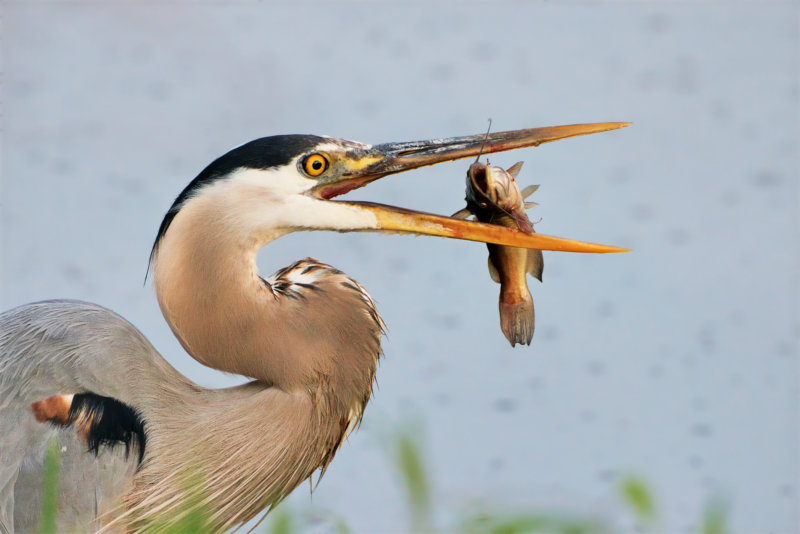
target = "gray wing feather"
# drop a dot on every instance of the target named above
(66, 347)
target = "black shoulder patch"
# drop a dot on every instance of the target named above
(107, 422)
(259, 154)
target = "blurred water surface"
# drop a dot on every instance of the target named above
(677, 361)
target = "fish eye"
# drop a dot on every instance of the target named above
(315, 164)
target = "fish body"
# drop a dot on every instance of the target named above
(494, 197)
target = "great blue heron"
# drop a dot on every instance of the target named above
(140, 442)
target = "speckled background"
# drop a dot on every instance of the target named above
(678, 361)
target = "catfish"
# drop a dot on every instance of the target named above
(493, 197)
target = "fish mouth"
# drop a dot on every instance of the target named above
(477, 173)
(487, 201)
(365, 164)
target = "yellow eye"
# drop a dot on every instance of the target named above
(315, 164)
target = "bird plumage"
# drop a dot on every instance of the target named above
(240, 449)
(309, 336)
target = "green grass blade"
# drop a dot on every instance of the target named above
(411, 466)
(715, 517)
(637, 495)
(52, 465)
(341, 527)
(282, 522)
(550, 523)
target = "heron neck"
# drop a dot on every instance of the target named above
(230, 319)
(311, 339)
(210, 293)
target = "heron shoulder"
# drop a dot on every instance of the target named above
(61, 347)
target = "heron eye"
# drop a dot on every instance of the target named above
(315, 164)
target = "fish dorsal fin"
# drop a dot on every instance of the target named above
(535, 264)
(514, 169)
(528, 191)
(493, 271)
(461, 214)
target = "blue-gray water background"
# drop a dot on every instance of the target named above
(678, 361)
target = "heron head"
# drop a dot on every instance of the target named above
(287, 182)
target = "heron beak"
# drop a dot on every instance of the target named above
(402, 221)
(391, 158)
(400, 157)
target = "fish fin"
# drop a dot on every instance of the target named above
(535, 263)
(529, 205)
(461, 214)
(528, 191)
(493, 271)
(517, 319)
(523, 223)
(514, 169)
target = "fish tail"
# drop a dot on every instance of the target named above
(517, 319)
